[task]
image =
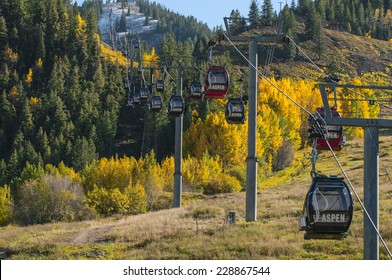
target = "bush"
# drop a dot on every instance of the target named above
(206, 213)
(137, 199)
(6, 206)
(223, 183)
(110, 202)
(238, 172)
(52, 199)
(107, 202)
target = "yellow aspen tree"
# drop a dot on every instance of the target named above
(29, 77)
(167, 167)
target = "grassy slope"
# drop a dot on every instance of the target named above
(174, 233)
(350, 56)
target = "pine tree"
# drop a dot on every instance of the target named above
(312, 23)
(123, 23)
(254, 14)
(238, 23)
(3, 38)
(321, 7)
(84, 153)
(303, 6)
(147, 20)
(267, 13)
(289, 28)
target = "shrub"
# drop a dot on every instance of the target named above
(206, 213)
(107, 202)
(223, 183)
(52, 199)
(238, 172)
(110, 202)
(6, 205)
(33, 204)
(137, 199)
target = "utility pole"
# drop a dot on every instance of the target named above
(251, 161)
(371, 165)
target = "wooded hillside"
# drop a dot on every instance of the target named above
(71, 150)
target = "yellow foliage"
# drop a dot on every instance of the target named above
(14, 91)
(39, 63)
(34, 101)
(112, 56)
(199, 172)
(11, 56)
(278, 119)
(6, 205)
(167, 171)
(29, 76)
(223, 183)
(107, 202)
(217, 137)
(81, 26)
(137, 199)
(109, 173)
(63, 171)
(151, 59)
(68, 171)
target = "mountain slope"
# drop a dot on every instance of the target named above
(343, 54)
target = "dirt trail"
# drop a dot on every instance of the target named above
(91, 236)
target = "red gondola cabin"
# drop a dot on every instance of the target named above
(334, 133)
(217, 82)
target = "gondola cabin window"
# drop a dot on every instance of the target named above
(160, 85)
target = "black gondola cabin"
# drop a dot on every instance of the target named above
(217, 82)
(130, 103)
(328, 209)
(155, 104)
(136, 98)
(235, 111)
(196, 90)
(176, 105)
(160, 85)
(143, 94)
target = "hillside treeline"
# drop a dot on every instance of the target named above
(360, 17)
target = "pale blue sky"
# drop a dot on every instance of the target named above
(211, 11)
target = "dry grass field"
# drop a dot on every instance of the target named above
(177, 234)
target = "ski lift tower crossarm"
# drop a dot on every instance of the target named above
(251, 161)
(371, 163)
